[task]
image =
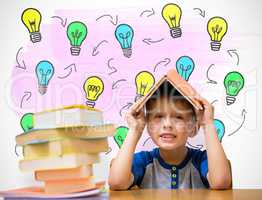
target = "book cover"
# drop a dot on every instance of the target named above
(81, 132)
(75, 115)
(64, 174)
(69, 186)
(181, 85)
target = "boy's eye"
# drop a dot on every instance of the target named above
(158, 116)
(179, 117)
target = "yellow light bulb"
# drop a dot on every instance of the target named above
(144, 82)
(93, 87)
(172, 15)
(217, 28)
(31, 18)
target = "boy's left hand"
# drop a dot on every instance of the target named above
(207, 114)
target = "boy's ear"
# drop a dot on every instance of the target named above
(194, 130)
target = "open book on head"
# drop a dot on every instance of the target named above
(182, 86)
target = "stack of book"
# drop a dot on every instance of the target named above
(63, 146)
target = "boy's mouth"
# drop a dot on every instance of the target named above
(167, 137)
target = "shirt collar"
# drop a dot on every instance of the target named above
(168, 166)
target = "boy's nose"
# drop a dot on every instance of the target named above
(167, 123)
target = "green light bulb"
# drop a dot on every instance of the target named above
(76, 33)
(120, 135)
(233, 82)
(26, 122)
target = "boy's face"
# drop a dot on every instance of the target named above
(170, 122)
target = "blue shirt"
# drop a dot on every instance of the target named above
(151, 171)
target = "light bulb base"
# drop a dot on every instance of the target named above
(90, 104)
(230, 100)
(215, 46)
(127, 52)
(42, 89)
(35, 37)
(176, 32)
(75, 51)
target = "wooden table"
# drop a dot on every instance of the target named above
(165, 194)
(187, 194)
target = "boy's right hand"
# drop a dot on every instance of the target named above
(136, 120)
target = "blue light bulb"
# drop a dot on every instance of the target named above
(185, 66)
(44, 72)
(220, 128)
(124, 35)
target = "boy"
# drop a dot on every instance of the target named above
(170, 120)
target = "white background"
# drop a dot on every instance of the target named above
(244, 149)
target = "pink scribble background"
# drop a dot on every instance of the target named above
(55, 47)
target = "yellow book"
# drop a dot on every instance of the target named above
(63, 147)
(62, 162)
(82, 132)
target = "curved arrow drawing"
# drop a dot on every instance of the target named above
(207, 75)
(18, 64)
(62, 21)
(114, 70)
(149, 41)
(114, 86)
(127, 106)
(111, 18)
(95, 51)
(151, 12)
(27, 96)
(233, 51)
(166, 61)
(16, 150)
(202, 12)
(198, 146)
(214, 101)
(70, 68)
(244, 112)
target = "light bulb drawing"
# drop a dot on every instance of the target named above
(93, 88)
(144, 82)
(44, 72)
(172, 15)
(233, 82)
(185, 66)
(120, 135)
(31, 18)
(76, 33)
(220, 128)
(217, 28)
(124, 35)
(26, 122)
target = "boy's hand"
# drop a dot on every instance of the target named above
(135, 120)
(207, 114)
